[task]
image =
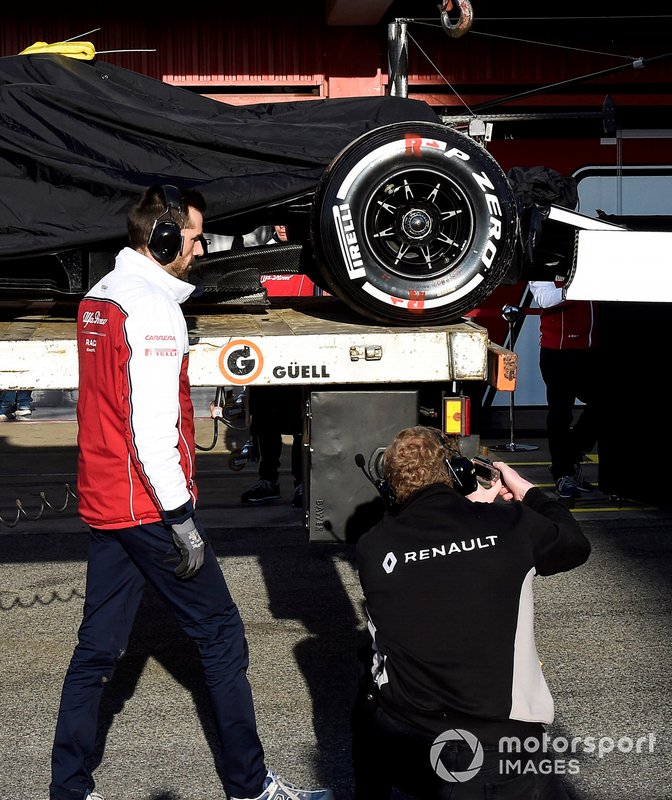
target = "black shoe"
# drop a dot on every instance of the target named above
(581, 485)
(566, 487)
(261, 492)
(297, 500)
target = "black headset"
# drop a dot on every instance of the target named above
(460, 467)
(165, 240)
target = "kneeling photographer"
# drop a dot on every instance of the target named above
(452, 669)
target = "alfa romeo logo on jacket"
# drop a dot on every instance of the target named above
(438, 765)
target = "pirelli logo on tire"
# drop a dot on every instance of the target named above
(413, 222)
(347, 240)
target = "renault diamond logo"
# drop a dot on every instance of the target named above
(389, 562)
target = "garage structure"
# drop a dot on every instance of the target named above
(339, 48)
(605, 80)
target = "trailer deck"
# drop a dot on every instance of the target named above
(311, 341)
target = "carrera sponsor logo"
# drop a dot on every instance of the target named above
(464, 546)
(160, 351)
(93, 318)
(157, 337)
(347, 241)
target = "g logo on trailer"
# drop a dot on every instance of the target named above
(240, 361)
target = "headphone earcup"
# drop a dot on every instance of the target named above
(464, 474)
(165, 241)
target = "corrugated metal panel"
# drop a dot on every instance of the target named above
(274, 48)
(515, 58)
(226, 48)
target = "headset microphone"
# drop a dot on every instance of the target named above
(462, 470)
(382, 486)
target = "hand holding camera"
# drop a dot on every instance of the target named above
(514, 485)
(497, 479)
(485, 469)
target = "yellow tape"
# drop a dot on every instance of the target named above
(82, 50)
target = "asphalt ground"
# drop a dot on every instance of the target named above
(603, 634)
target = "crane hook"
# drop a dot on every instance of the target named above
(464, 20)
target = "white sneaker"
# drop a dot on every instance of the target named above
(94, 796)
(275, 788)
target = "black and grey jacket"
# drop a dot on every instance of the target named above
(448, 589)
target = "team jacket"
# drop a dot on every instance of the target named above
(448, 589)
(136, 429)
(564, 324)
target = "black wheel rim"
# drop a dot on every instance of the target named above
(418, 223)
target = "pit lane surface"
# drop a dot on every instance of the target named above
(603, 633)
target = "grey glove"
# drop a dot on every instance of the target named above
(191, 546)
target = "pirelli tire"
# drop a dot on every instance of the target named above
(413, 223)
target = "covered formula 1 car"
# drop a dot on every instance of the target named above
(405, 219)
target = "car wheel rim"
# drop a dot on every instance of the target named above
(418, 223)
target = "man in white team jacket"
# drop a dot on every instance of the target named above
(137, 493)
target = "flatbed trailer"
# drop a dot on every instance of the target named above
(308, 341)
(361, 382)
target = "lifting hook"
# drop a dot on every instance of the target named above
(464, 20)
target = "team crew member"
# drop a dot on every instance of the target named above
(137, 493)
(447, 581)
(569, 365)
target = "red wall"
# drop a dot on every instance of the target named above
(275, 51)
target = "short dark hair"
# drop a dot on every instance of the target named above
(151, 205)
(416, 458)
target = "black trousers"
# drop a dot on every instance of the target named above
(120, 563)
(570, 375)
(388, 753)
(274, 411)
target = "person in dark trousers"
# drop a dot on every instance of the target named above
(452, 669)
(137, 493)
(569, 364)
(274, 411)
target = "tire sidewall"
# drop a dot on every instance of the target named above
(345, 242)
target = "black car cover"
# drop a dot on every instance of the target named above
(80, 140)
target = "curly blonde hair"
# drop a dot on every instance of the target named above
(417, 458)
